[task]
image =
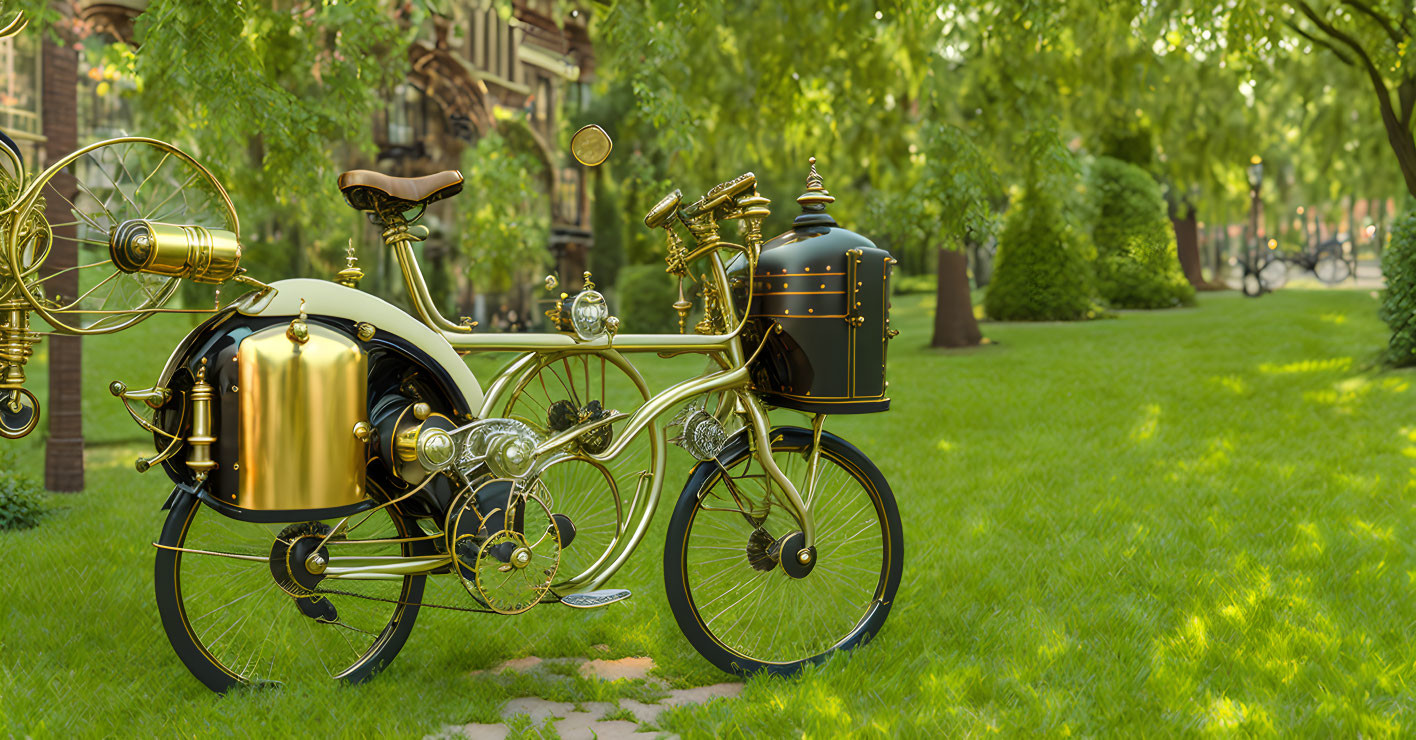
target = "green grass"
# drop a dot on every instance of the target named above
(1192, 521)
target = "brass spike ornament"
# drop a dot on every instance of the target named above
(814, 201)
(350, 276)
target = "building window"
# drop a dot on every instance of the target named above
(543, 99)
(20, 88)
(103, 108)
(568, 196)
(406, 116)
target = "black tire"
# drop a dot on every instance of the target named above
(194, 643)
(850, 465)
(1331, 268)
(1251, 285)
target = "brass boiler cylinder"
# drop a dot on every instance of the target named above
(303, 405)
(172, 250)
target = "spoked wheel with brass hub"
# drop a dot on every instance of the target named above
(248, 603)
(745, 590)
(100, 187)
(591, 498)
(506, 547)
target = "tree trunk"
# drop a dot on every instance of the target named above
(954, 322)
(64, 450)
(1187, 244)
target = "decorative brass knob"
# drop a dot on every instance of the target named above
(363, 431)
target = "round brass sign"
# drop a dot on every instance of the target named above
(591, 145)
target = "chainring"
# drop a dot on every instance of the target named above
(508, 570)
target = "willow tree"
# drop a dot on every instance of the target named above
(1373, 37)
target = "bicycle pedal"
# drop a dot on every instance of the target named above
(593, 599)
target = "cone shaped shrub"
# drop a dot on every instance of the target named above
(1398, 308)
(1137, 265)
(1039, 273)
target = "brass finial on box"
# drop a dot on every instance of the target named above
(350, 276)
(814, 200)
(816, 196)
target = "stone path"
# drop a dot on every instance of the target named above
(588, 719)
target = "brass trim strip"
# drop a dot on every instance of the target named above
(232, 555)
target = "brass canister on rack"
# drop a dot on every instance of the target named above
(172, 250)
(301, 404)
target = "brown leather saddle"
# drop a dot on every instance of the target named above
(367, 190)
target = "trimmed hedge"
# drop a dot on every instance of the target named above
(1398, 307)
(1039, 273)
(1137, 265)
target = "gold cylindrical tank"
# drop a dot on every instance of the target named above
(172, 250)
(300, 404)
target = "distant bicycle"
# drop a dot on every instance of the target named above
(1328, 261)
(1263, 273)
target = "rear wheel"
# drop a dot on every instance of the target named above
(237, 621)
(1331, 268)
(730, 566)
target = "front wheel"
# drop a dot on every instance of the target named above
(724, 571)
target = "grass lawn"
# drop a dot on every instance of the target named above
(1191, 521)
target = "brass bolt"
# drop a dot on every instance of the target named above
(316, 563)
(803, 556)
(363, 431)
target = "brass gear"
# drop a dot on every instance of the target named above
(512, 571)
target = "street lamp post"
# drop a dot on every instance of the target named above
(1256, 181)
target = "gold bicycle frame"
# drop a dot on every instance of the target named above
(726, 349)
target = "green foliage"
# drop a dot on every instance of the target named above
(22, 502)
(607, 223)
(505, 221)
(1039, 274)
(1398, 308)
(1136, 261)
(646, 298)
(904, 284)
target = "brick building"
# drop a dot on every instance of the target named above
(467, 65)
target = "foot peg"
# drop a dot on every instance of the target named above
(592, 599)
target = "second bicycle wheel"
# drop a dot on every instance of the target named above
(593, 498)
(97, 188)
(1331, 268)
(725, 559)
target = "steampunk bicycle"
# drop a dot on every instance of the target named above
(330, 452)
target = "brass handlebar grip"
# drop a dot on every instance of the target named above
(661, 212)
(721, 193)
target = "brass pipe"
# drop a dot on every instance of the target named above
(200, 442)
(817, 421)
(419, 294)
(758, 415)
(391, 569)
